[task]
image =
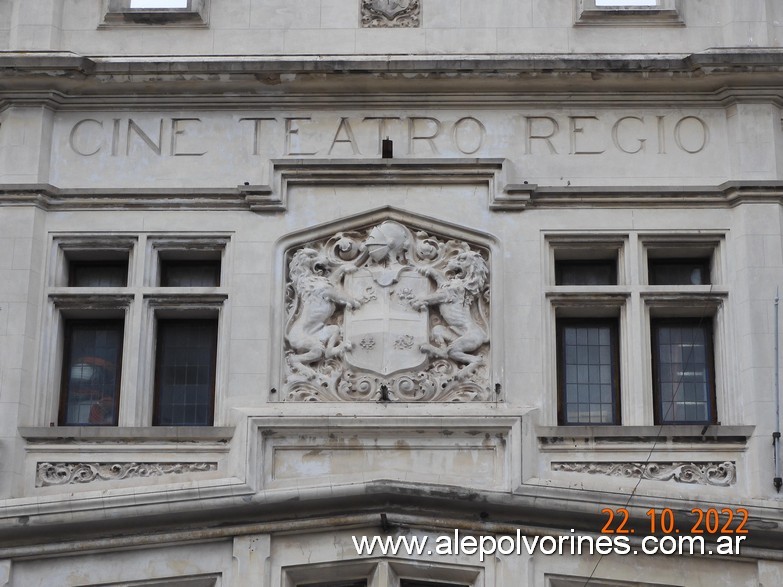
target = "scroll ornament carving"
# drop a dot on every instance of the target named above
(48, 474)
(717, 474)
(387, 314)
(390, 13)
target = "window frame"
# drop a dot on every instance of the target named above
(664, 13)
(707, 324)
(614, 339)
(119, 14)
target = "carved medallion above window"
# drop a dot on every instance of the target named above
(387, 313)
(391, 13)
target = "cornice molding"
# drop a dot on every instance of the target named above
(491, 172)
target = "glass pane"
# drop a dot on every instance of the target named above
(679, 272)
(91, 373)
(588, 374)
(158, 3)
(189, 273)
(683, 380)
(185, 372)
(414, 583)
(87, 274)
(360, 583)
(586, 273)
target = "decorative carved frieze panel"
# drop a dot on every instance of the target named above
(387, 313)
(718, 474)
(48, 474)
(391, 13)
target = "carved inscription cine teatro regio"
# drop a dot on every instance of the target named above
(309, 136)
(387, 313)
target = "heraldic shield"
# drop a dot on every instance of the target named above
(385, 333)
(386, 313)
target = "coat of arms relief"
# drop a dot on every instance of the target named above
(390, 13)
(387, 313)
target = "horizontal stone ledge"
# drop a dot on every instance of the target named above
(72, 434)
(766, 59)
(713, 433)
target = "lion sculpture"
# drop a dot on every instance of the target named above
(458, 286)
(315, 301)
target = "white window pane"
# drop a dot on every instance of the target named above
(626, 2)
(159, 3)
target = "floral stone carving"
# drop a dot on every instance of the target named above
(387, 314)
(390, 13)
(79, 473)
(719, 474)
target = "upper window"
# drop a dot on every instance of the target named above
(189, 273)
(628, 12)
(679, 271)
(593, 272)
(178, 13)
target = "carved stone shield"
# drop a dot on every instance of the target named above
(386, 333)
(390, 8)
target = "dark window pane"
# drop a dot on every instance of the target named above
(360, 583)
(185, 372)
(90, 274)
(174, 273)
(588, 372)
(586, 272)
(683, 376)
(91, 373)
(679, 271)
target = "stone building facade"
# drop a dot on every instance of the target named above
(276, 275)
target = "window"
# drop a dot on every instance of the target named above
(88, 291)
(172, 13)
(628, 12)
(588, 372)
(185, 373)
(189, 273)
(683, 371)
(679, 271)
(92, 360)
(595, 272)
(162, 294)
(98, 273)
(361, 583)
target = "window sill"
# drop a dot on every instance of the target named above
(50, 434)
(554, 436)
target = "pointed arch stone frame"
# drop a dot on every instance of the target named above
(416, 222)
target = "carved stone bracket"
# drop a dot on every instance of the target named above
(48, 474)
(717, 474)
(387, 313)
(391, 13)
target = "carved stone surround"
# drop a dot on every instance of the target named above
(387, 313)
(711, 473)
(391, 13)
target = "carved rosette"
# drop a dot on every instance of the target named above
(716, 474)
(390, 13)
(48, 474)
(387, 313)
